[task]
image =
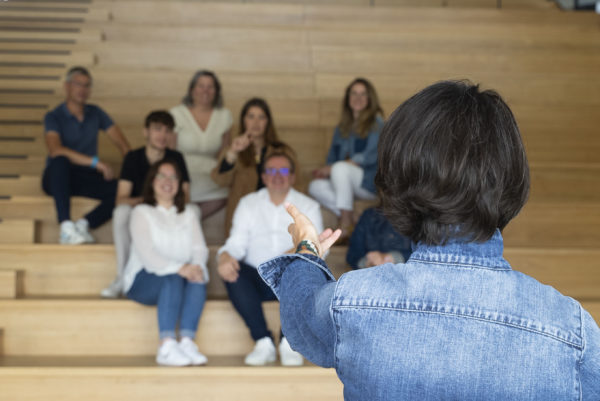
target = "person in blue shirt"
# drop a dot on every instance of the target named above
(374, 241)
(73, 167)
(352, 158)
(455, 322)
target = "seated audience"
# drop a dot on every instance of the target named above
(158, 128)
(374, 242)
(167, 264)
(73, 167)
(259, 232)
(202, 127)
(455, 322)
(241, 164)
(352, 158)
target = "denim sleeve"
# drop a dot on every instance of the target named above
(332, 155)
(590, 362)
(305, 288)
(370, 153)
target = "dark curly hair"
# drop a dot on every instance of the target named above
(452, 165)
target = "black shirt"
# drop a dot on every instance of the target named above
(136, 166)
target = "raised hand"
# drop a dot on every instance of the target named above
(303, 229)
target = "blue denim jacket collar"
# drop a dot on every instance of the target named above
(457, 252)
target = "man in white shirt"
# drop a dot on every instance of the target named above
(259, 233)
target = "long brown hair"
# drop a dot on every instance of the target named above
(367, 117)
(148, 192)
(247, 156)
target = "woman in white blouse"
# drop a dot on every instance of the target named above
(167, 264)
(202, 127)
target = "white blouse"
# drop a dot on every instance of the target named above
(163, 241)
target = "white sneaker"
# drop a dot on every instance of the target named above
(69, 235)
(263, 353)
(190, 349)
(288, 356)
(114, 290)
(83, 228)
(169, 354)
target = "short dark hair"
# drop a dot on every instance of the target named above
(160, 117)
(280, 149)
(217, 101)
(148, 191)
(77, 70)
(451, 165)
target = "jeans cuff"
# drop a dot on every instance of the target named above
(167, 334)
(187, 333)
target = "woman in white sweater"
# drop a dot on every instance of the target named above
(167, 264)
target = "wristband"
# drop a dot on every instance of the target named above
(307, 245)
(94, 162)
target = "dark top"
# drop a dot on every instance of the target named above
(225, 166)
(136, 166)
(375, 233)
(80, 136)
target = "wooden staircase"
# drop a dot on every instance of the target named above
(60, 341)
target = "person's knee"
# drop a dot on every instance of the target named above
(121, 215)
(341, 170)
(317, 187)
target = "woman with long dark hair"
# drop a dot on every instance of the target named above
(240, 165)
(167, 264)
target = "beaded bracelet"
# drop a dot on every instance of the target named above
(307, 245)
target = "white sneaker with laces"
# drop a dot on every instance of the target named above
(189, 348)
(83, 227)
(288, 356)
(263, 353)
(169, 354)
(69, 235)
(114, 290)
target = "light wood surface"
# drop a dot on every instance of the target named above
(16, 231)
(11, 283)
(124, 383)
(58, 270)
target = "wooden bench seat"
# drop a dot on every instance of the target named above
(126, 378)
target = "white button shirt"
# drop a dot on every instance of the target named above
(259, 229)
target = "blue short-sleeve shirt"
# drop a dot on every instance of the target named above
(80, 136)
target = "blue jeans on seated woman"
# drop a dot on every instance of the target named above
(178, 300)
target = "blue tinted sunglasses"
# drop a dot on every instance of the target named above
(284, 171)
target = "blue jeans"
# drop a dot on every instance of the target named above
(177, 299)
(247, 295)
(63, 179)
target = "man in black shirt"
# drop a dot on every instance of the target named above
(158, 129)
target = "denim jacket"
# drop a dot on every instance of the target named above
(453, 323)
(362, 151)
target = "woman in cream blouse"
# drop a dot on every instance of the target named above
(202, 126)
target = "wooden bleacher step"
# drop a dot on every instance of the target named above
(80, 327)
(84, 270)
(100, 380)
(11, 283)
(17, 231)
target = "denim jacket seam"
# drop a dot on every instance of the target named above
(581, 355)
(457, 264)
(563, 340)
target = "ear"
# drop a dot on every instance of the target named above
(263, 176)
(292, 179)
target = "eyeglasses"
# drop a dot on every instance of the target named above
(284, 171)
